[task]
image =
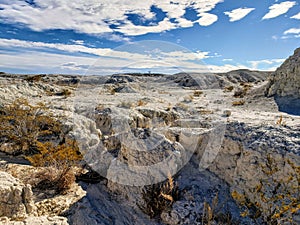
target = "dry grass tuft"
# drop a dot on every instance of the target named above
(198, 93)
(158, 197)
(238, 103)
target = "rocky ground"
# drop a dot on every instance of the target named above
(232, 151)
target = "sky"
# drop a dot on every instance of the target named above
(168, 36)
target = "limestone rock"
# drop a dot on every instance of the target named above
(286, 79)
(45, 220)
(16, 198)
(285, 85)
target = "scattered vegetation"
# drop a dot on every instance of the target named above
(35, 133)
(280, 121)
(141, 103)
(57, 177)
(65, 93)
(238, 103)
(49, 154)
(205, 111)
(160, 196)
(276, 197)
(241, 92)
(198, 93)
(22, 125)
(228, 88)
(34, 78)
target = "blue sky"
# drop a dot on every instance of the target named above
(109, 36)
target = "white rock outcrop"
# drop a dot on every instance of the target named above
(16, 198)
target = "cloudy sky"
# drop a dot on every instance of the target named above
(109, 36)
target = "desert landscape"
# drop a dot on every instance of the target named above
(150, 148)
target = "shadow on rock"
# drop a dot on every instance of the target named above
(290, 105)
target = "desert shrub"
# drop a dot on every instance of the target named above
(58, 162)
(65, 93)
(206, 111)
(280, 121)
(49, 154)
(238, 103)
(57, 177)
(241, 92)
(34, 78)
(228, 88)
(22, 124)
(276, 198)
(141, 103)
(158, 197)
(214, 213)
(35, 133)
(198, 93)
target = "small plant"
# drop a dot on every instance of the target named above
(209, 211)
(280, 121)
(238, 103)
(57, 177)
(198, 93)
(65, 93)
(228, 89)
(241, 92)
(158, 197)
(205, 111)
(34, 78)
(141, 103)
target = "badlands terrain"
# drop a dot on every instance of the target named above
(151, 148)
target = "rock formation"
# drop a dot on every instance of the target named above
(285, 84)
(217, 134)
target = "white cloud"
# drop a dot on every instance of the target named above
(225, 68)
(297, 16)
(238, 14)
(279, 9)
(112, 60)
(207, 19)
(132, 30)
(78, 42)
(266, 64)
(34, 62)
(97, 17)
(292, 31)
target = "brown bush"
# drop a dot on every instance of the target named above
(35, 133)
(238, 103)
(56, 177)
(22, 124)
(160, 196)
